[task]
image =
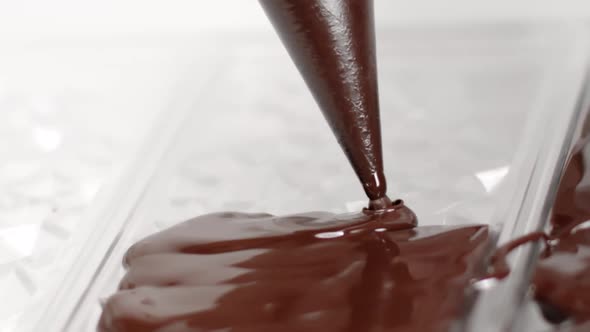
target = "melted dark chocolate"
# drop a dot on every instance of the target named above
(369, 271)
(332, 43)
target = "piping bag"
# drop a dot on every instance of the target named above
(332, 43)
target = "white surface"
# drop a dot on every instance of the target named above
(71, 118)
(34, 18)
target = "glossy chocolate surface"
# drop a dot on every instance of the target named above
(332, 43)
(370, 271)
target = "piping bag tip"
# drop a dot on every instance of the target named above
(332, 43)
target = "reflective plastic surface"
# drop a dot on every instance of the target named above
(457, 105)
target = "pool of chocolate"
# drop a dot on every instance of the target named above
(369, 271)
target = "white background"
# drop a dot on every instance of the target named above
(35, 18)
